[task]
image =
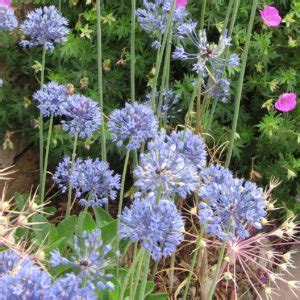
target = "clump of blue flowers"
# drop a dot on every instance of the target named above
(207, 55)
(90, 259)
(153, 18)
(8, 20)
(219, 88)
(164, 168)
(157, 225)
(44, 27)
(52, 99)
(229, 200)
(83, 116)
(92, 181)
(132, 125)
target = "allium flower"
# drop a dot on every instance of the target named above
(158, 226)
(164, 168)
(83, 114)
(191, 146)
(69, 287)
(8, 20)
(44, 27)
(93, 181)
(207, 54)
(89, 259)
(52, 99)
(286, 102)
(22, 279)
(270, 16)
(153, 18)
(229, 200)
(220, 89)
(132, 125)
(181, 3)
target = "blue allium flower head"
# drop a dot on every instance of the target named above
(158, 226)
(220, 89)
(44, 27)
(52, 99)
(132, 125)
(191, 146)
(207, 54)
(70, 287)
(22, 279)
(89, 259)
(228, 198)
(164, 168)
(93, 181)
(153, 18)
(83, 116)
(8, 20)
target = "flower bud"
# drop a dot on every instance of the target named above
(227, 276)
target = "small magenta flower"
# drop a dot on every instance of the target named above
(286, 102)
(270, 16)
(181, 3)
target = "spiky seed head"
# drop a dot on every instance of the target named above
(228, 276)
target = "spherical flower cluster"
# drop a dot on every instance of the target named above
(191, 146)
(153, 18)
(132, 125)
(52, 99)
(229, 200)
(286, 102)
(164, 168)
(83, 115)
(207, 54)
(89, 259)
(270, 16)
(44, 27)
(93, 181)
(158, 226)
(8, 20)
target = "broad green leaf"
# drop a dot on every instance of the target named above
(102, 217)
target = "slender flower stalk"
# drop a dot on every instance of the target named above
(132, 51)
(138, 276)
(203, 8)
(144, 276)
(239, 90)
(199, 247)
(68, 211)
(100, 79)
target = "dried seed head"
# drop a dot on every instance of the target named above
(227, 276)
(4, 220)
(22, 220)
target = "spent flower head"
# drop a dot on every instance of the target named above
(156, 224)
(44, 27)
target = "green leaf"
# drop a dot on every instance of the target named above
(66, 230)
(108, 232)
(87, 222)
(40, 230)
(102, 217)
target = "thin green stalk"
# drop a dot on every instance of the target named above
(46, 159)
(219, 263)
(129, 273)
(239, 90)
(80, 225)
(137, 278)
(228, 12)
(160, 54)
(59, 5)
(41, 120)
(194, 259)
(203, 8)
(121, 204)
(135, 251)
(144, 276)
(171, 280)
(155, 267)
(100, 79)
(132, 50)
(68, 211)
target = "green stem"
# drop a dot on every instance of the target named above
(132, 50)
(46, 158)
(171, 280)
(132, 275)
(80, 225)
(100, 79)
(130, 271)
(144, 276)
(194, 259)
(154, 270)
(137, 277)
(219, 263)
(59, 5)
(120, 205)
(68, 211)
(203, 8)
(239, 90)
(160, 54)
(228, 12)
(41, 120)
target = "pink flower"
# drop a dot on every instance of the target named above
(6, 2)
(286, 102)
(181, 3)
(270, 16)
